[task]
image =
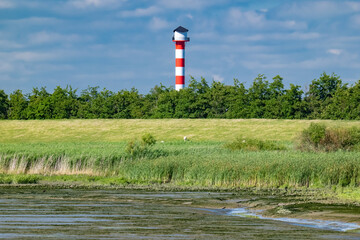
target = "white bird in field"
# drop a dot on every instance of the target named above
(185, 138)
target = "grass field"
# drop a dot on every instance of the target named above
(94, 151)
(13, 131)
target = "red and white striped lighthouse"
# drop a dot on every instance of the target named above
(180, 37)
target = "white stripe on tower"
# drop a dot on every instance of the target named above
(179, 53)
(179, 71)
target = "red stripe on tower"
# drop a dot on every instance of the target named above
(180, 37)
(179, 45)
(180, 62)
(179, 80)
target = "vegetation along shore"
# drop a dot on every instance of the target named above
(218, 154)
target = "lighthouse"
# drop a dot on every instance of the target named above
(180, 37)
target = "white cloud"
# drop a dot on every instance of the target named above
(261, 65)
(334, 51)
(355, 6)
(304, 35)
(218, 78)
(355, 21)
(111, 24)
(158, 24)
(293, 36)
(49, 37)
(6, 4)
(119, 75)
(141, 12)
(274, 61)
(34, 21)
(317, 63)
(31, 4)
(188, 4)
(95, 3)
(237, 18)
(6, 67)
(317, 9)
(29, 56)
(10, 44)
(297, 36)
(234, 38)
(190, 16)
(205, 25)
(57, 67)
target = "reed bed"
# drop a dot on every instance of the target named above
(204, 163)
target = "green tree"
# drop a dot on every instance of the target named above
(218, 96)
(64, 103)
(292, 104)
(103, 104)
(345, 103)
(4, 105)
(18, 104)
(324, 87)
(351, 99)
(273, 105)
(320, 93)
(39, 106)
(95, 104)
(199, 108)
(259, 93)
(238, 101)
(165, 103)
(186, 104)
(128, 104)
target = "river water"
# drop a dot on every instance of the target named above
(42, 213)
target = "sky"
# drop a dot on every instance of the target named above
(120, 44)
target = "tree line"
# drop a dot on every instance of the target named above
(326, 98)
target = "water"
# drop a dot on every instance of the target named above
(37, 213)
(320, 224)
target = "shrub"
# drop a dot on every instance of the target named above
(317, 137)
(142, 149)
(254, 145)
(148, 139)
(136, 149)
(315, 133)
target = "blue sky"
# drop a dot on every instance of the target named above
(119, 44)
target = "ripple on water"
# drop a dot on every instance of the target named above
(320, 224)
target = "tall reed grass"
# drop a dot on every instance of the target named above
(186, 163)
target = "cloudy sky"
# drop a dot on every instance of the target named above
(119, 44)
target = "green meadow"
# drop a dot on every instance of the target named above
(94, 152)
(109, 130)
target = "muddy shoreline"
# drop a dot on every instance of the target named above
(271, 203)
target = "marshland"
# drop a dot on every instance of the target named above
(111, 152)
(254, 165)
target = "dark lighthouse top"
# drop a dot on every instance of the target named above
(180, 35)
(180, 29)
